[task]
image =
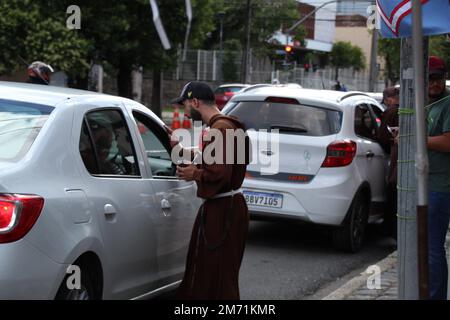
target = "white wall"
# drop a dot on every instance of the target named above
(324, 30)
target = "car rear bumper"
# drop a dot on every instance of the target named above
(325, 200)
(27, 273)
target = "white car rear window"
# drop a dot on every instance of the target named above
(288, 118)
(20, 124)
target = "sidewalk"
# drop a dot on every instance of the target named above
(356, 288)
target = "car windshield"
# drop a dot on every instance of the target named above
(20, 124)
(288, 118)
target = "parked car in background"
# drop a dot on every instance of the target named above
(224, 93)
(87, 180)
(331, 169)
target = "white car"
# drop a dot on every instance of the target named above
(331, 168)
(88, 191)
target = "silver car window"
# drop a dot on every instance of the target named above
(106, 146)
(20, 124)
(157, 146)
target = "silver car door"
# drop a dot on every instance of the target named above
(176, 199)
(111, 168)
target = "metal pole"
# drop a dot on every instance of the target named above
(421, 155)
(407, 199)
(221, 15)
(100, 79)
(214, 68)
(198, 64)
(373, 61)
(247, 44)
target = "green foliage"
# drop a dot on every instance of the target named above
(26, 30)
(229, 66)
(346, 55)
(389, 49)
(267, 17)
(119, 34)
(300, 34)
(441, 48)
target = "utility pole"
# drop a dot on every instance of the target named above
(244, 68)
(221, 15)
(421, 141)
(373, 61)
(407, 203)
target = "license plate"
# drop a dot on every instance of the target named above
(263, 199)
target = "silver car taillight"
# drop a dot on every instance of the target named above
(18, 214)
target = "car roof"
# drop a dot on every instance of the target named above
(41, 94)
(233, 85)
(330, 98)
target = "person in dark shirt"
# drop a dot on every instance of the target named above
(386, 136)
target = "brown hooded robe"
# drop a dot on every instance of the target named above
(220, 230)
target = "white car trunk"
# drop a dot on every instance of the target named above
(288, 155)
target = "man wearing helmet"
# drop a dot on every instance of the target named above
(39, 73)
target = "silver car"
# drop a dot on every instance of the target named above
(90, 207)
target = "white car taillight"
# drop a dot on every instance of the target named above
(18, 214)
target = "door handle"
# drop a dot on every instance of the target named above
(110, 211)
(165, 205)
(370, 154)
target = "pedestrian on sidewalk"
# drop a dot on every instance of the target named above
(386, 136)
(219, 234)
(438, 118)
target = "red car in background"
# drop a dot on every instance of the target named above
(224, 93)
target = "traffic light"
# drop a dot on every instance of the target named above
(288, 49)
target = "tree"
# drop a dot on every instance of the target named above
(440, 47)
(124, 36)
(27, 30)
(346, 55)
(267, 17)
(389, 49)
(229, 67)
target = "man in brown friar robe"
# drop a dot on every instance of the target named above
(221, 226)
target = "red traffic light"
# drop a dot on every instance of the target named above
(288, 49)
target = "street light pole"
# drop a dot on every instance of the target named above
(373, 71)
(221, 15)
(244, 69)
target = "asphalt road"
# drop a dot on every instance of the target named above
(285, 260)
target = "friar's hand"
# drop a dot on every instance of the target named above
(186, 172)
(172, 136)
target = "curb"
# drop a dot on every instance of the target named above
(387, 263)
(340, 294)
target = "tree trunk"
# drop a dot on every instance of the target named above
(78, 83)
(157, 92)
(336, 74)
(124, 84)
